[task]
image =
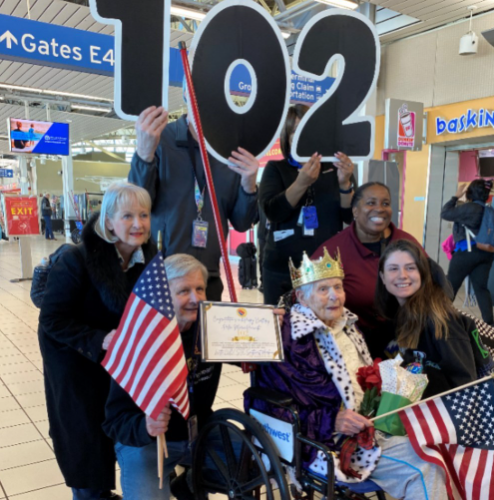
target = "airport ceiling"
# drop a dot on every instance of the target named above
(395, 19)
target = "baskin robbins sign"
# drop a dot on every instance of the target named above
(471, 119)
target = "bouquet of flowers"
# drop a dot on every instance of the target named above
(400, 387)
(369, 379)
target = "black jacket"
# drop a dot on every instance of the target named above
(45, 207)
(451, 362)
(169, 179)
(85, 297)
(467, 214)
(126, 423)
(277, 178)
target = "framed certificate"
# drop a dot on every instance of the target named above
(240, 333)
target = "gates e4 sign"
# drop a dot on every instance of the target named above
(22, 215)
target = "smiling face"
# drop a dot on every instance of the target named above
(373, 213)
(326, 300)
(187, 292)
(131, 224)
(401, 276)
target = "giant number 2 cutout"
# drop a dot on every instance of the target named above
(333, 124)
(240, 32)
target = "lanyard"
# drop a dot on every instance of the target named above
(198, 193)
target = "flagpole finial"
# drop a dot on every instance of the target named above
(160, 242)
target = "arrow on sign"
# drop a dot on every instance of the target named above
(9, 37)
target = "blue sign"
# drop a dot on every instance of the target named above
(469, 120)
(6, 173)
(303, 90)
(46, 44)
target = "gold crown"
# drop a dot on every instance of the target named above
(315, 270)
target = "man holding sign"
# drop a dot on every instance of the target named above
(168, 165)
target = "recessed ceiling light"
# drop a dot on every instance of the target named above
(346, 4)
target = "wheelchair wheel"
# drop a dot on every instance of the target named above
(76, 236)
(233, 466)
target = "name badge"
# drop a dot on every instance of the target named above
(199, 233)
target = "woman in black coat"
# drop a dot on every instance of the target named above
(86, 294)
(287, 187)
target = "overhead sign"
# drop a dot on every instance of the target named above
(303, 90)
(6, 173)
(469, 120)
(404, 125)
(46, 44)
(29, 136)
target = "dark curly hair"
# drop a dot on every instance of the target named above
(479, 190)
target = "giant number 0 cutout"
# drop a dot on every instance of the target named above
(333, 124)
(240, 32)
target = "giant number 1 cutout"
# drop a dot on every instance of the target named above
(142, 52)
(333, 124)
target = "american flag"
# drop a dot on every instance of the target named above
(456, 432)
(146, 355)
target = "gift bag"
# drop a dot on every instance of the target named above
(392, 424)
(400, 387)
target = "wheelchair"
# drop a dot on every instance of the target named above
(258, 466)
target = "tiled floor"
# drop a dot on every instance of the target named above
(28, 470)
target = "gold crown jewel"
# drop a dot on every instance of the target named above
(315, 270)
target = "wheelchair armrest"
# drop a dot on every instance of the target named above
(270, 396)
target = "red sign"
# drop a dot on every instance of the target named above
(273, 154)
(22, 215)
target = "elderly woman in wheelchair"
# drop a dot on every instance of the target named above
(309, 405)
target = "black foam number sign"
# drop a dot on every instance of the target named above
(240, 32)
(142, 41)
(333, 124)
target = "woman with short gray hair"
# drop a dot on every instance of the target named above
(85, 297)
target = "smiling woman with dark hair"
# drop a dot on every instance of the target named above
(361, 244)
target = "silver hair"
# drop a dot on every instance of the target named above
(181, 264)
(118, 195)
(307, 289)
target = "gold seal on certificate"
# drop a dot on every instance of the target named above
(240, 332)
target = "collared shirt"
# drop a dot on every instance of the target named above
(136, 258)
(352, 358)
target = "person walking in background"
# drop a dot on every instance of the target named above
(46, 212)
(474, 263)
(305, 204)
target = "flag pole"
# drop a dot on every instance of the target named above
(207, 169)
(246, 367)
(161, 441)
(451, 391)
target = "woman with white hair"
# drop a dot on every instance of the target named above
(85, 297)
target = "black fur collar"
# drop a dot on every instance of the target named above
(105, 270)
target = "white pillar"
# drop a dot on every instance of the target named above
(370, 108)
(68, 192)
(24, 241)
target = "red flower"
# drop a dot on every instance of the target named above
(369, 376)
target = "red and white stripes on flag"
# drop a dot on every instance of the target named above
(146, 355)
(455, 432)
